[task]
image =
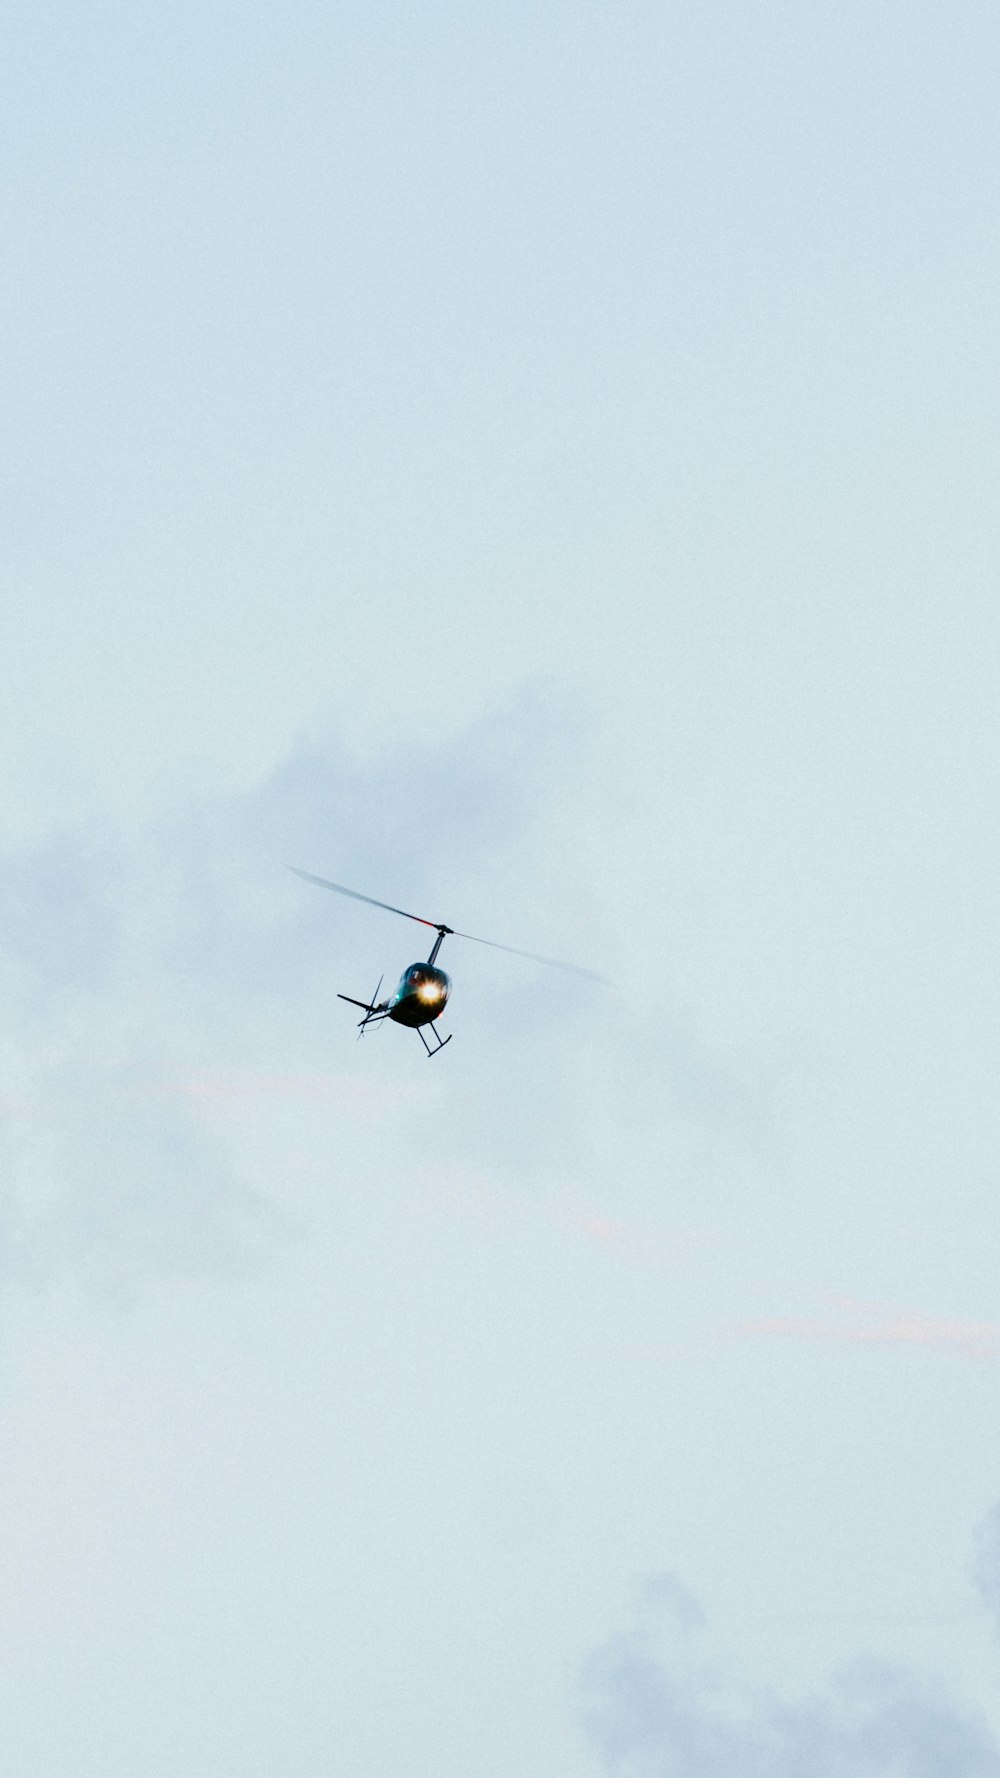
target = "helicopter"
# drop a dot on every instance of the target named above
(423, 990)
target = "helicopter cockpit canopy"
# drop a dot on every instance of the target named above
(424, 982)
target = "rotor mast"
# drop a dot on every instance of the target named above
(442, 932)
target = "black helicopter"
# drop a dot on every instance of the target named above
(423, 990)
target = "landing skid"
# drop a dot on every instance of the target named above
(375, 1013)
(439, 1042)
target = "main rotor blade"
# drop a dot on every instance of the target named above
(324, 883)
(438, 926)
(533, 957)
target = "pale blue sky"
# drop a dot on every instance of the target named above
(539, 466)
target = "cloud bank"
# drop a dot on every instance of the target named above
(655, 1708)
(153, 976)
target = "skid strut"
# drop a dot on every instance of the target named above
(439, 1042)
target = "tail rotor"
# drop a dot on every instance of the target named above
(372, 1008)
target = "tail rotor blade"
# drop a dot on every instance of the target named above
(372, 1008)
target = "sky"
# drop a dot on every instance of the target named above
(538, 467)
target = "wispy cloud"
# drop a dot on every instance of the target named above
(919, 1618)
(861, 1325)
(481, 1199)
(228, 1086)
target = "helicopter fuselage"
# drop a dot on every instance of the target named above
(423, 990)
(421, 996)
